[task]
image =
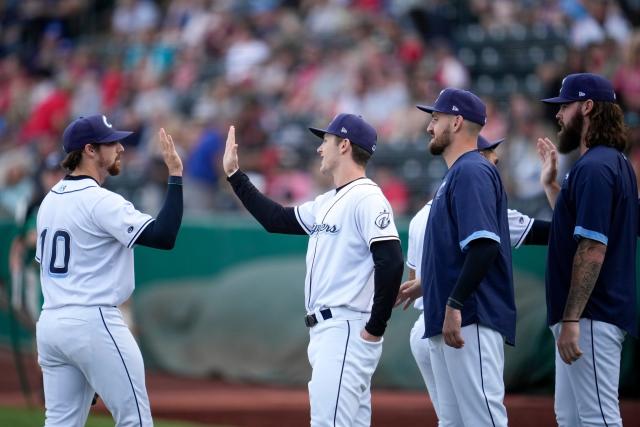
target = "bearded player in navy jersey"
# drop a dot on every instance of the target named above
(590, 279)
(469, 306)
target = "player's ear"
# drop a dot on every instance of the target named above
(90, 149)
(456, 124)
(344, 145)
(586, 107)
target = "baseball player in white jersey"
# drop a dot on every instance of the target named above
(520, 226)
(85, 239)
(354, 268)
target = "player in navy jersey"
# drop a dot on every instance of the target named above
(466, 269)
(523, 230)
(590, 279)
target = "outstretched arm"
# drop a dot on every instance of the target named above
(548, 176)
(274, 217)
(162, 233)
(409, 291)
(538, 233)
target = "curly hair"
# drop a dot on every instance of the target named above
(606, 127)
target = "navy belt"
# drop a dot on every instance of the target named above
(311, 320)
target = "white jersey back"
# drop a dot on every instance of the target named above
(342, 225)
(519, 226)
(417, 228)
(85, 235)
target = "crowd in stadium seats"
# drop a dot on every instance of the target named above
(274, 67)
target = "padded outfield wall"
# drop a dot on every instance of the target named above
(227, 302)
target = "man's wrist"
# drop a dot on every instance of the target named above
(175, 179)
(454, 303)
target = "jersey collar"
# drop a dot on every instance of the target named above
(79, 177)
(349, 183)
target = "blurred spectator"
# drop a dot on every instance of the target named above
(626, 80)
(202, 168)
(603, 20)
(272, 68)
(26, 296)
(394, 189)
(132, 17)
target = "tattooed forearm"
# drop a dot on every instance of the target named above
(586, 268)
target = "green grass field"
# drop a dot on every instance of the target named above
(21, 417)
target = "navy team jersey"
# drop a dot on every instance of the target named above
(470, 204)
(599, 201)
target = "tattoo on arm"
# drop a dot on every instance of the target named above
(587, 263)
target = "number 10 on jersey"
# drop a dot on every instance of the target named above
(58, 249)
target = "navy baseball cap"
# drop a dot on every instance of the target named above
(485, 144)
(352, 127)
(583, 86)
(90, 130)
(459, 102)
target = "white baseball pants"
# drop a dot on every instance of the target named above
(420, 351)
(342, 365)
(83, 350)
(587, 390)
(469, 381)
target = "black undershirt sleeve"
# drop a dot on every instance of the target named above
(162, 233)
(274, 217)
(480, 255)
(538, 233)
(389, 263)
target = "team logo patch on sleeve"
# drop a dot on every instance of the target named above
(383, 220)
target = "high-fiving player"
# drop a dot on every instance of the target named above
(354, 268)
(85, 239)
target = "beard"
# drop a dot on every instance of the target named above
(113, 168)
(439, 144)
(570, 134)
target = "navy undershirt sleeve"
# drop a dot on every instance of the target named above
(389, 264)
(538, 234)
(274, 217)
(162, 233)
(480, 256)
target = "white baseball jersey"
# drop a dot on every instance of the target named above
(519, 226)
(85, 235)
(342, 225)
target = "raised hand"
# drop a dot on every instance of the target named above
(549, 173)
(549, 157)
(230, 157)
(169, 154)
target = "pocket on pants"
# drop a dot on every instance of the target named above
(369, 352)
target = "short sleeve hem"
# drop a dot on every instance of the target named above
(482, 234)
(299, 218)
(524, 234)
(581, 232)
(140, 230)
(382, 238)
